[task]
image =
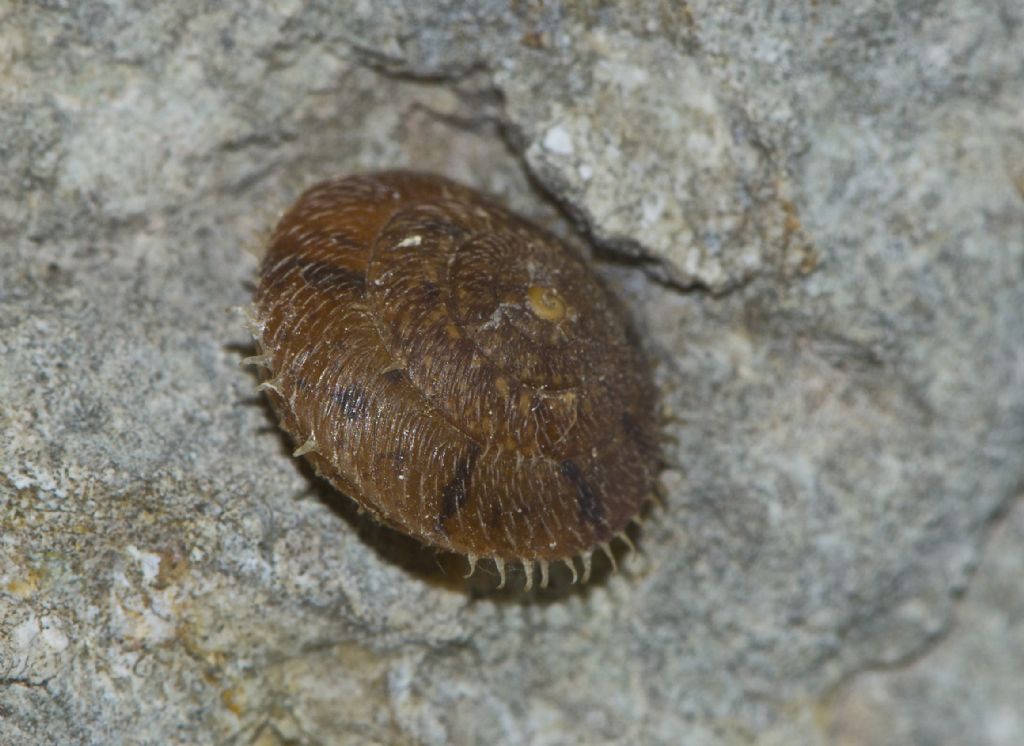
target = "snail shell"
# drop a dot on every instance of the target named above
(456, 370)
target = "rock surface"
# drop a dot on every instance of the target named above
(817, 213)
(970, 688)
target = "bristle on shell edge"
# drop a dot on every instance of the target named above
(530, 566)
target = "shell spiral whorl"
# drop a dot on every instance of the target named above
(459, 372)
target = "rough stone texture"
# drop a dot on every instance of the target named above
(818, 213)
(970, 689)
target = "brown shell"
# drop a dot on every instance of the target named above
(459, 372)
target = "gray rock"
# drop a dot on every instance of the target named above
(817, 214)
(967, 691)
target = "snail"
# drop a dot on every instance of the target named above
(459, 372)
